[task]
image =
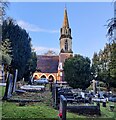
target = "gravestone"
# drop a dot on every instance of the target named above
(50, 86)
(101, 93)
(112, 107)
(94, 86)
(56, 95)
(32, 80)
(7, 76)
(62, 107)
(98, 104)
(0, 73)
(83, 94)
(3, 74)
(15, 79)
(104, 103)
(84, 109)
(10, 87)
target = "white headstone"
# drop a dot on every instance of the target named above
(83, 94)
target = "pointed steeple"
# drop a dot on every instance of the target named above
(65, 36)
(65, 22)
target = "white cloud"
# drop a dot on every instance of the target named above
(41, 50)
(34, 28)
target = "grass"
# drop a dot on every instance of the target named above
(2, 90)
(106, 112)
(36, 110)
(44, 110)
(29, 111)
(39, 110)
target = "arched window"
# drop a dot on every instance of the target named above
(43, 76)
(51, 78)
(66, 45)
(66, 32)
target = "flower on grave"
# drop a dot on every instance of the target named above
(60, 115)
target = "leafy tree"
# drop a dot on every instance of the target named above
(31, 66)
(5, 51)
(3, 5)
(20, 43)
(33, 62)
(77, 71)
(110, 28)
(112, 65)
(5, 58)
(0, 31)
(6, 46)
(111, 31)
(95, 63)
(104, 63)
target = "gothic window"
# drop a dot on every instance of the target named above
(66, 32)
(66, 45)
(43, 76)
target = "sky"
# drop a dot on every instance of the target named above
(43, 20)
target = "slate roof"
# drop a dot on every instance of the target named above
(47, 64)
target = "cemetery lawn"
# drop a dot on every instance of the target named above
(2, 90)
(44, 109)
(40, 110)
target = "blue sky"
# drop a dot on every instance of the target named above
(44, 20)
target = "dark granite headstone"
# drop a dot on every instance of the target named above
(62, 107)
(104, 104)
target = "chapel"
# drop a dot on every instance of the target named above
(51, 66)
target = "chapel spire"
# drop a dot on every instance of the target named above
(65, 22)
(65, 35)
